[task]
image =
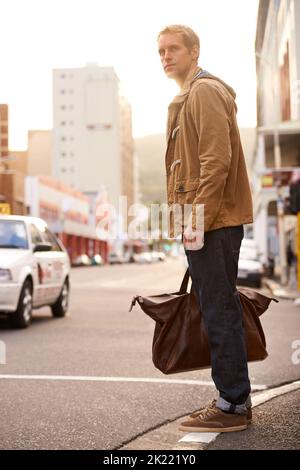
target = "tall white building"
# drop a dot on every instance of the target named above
(90, 126)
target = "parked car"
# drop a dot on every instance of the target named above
(115, 258)
(158, 256)
(82, 260)
(97, 260)
(34, 269)
(143, 258)
(250, 268)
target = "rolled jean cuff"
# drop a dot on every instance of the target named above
(231, 408)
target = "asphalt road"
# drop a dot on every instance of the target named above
(100, 338)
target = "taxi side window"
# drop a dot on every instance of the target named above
(50, 238)
(36, 236)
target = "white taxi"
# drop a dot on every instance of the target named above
(34, 269)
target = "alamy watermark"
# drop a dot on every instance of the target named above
(296, 354)
(138, 221)
(2, 353)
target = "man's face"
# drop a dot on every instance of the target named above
(175, 57)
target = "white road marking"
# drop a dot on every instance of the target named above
(90, 378)
(203, 437)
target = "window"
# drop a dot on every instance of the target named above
(62, 75)
(13, 234)
(63, 107)
(63, 154)
(63, 123)
(63, 170)
(63, 139)
(62, 92)
(36, 236)
(49, 237)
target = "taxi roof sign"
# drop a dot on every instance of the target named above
(4, 209)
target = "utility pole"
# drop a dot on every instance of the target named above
(280, 213)
(278, 161)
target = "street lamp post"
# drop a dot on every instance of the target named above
(280, 214)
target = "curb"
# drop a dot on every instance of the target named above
(168, 437)
(278, 291)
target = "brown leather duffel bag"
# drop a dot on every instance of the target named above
(180, 342)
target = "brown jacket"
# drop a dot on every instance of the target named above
(204, 159)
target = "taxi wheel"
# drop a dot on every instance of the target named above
(59, 309)
(21, 318)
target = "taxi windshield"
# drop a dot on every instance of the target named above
(13, 234)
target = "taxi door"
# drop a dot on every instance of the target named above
(42, 268)
(59, 265)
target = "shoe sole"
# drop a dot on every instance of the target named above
(197, 429)
(249, 420)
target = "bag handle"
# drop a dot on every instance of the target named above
(185, 281)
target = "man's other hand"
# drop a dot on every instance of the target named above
(193, 239)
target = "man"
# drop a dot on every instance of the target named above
(205, 165)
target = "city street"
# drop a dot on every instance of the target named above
(92, 387)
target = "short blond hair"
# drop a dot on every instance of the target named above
(190, 38)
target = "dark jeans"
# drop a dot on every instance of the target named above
(213, 271)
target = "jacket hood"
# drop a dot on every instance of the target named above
(195, 75)
(205, 74)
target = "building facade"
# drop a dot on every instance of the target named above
(92, 137)
(13, 168)
(67, 213)
(3, 130)
(40, 153)
(277, 154)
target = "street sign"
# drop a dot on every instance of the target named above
(4, 209)
(276, 178)
(267, 181)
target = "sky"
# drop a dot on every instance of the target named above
(37, 36)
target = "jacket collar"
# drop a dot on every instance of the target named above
(177, 103)
(194, 74)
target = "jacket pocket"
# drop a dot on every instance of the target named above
(185, 191)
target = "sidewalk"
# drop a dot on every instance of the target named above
(275, 425)
(279, 291)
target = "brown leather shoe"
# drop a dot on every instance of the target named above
(212, 419)
(197, 412)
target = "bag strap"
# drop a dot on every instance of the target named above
(185, 281)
